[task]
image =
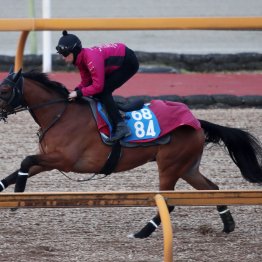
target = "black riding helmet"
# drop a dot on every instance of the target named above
(69, 43)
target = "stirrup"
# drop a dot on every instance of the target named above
(120, 133)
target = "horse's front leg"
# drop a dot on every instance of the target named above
(34, 164)
(9, 180)
(23, 172)
(19, 177)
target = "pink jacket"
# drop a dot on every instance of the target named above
(97, 62)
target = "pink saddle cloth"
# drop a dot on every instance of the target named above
(170, 115)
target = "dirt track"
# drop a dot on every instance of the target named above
(101, 234)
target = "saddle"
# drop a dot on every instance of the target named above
(140, 119)
(150, 124)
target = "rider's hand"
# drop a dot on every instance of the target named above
(75, 94)
(72, 95)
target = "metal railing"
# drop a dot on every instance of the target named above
(181, 23)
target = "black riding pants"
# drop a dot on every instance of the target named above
(113, 81)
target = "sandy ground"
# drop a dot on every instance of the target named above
(100, 234)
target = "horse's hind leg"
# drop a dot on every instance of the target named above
(200, 182)
(167, 182)
(181, 156)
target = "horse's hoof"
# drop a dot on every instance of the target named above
(230, 227)
(228, 221)
(140, 235)
(146, 231)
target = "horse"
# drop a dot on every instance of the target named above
(70, 142)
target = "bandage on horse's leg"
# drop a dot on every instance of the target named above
(227, 219)
(31, 166)
(23, 172)
(151, 226)
(200, 182)
(9, 180)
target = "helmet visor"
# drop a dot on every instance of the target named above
(63, 50)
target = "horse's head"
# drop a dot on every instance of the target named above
(11, 93)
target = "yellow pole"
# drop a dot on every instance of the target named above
(153, 23)
(20, 50)
(167, 227)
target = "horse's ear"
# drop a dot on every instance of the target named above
(11, 69)
(17, 75)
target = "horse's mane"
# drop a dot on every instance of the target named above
(44, 79)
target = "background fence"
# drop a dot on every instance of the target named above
(194, 23)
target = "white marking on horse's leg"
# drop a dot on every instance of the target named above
(223, 212)
(22, 174)
(153, 223)
(2, 185)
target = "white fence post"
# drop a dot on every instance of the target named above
(47, 54)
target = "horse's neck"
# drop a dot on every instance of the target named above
(38, 98)
(35, 93)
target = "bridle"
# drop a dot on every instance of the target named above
(14, 102)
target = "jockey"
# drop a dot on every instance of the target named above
(102, 69)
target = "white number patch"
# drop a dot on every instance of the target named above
(143, 123)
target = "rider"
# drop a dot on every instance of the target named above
(102, 69)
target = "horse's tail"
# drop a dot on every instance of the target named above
(244, 149)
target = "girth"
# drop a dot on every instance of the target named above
(112, 159)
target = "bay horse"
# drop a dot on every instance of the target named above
(70, 141)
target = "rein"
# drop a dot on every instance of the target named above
(26, 108)
(59, 100)
(41, 133)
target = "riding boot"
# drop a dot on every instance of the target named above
(121, 131)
